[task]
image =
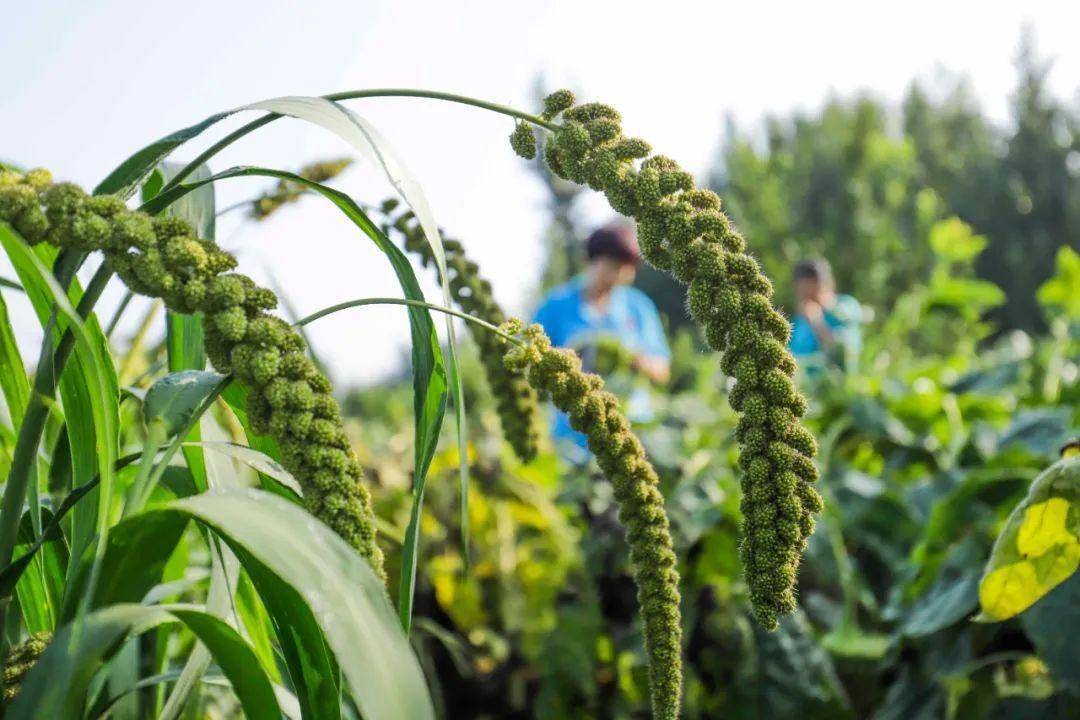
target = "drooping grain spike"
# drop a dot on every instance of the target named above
(162, 257)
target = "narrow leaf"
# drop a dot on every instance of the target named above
(348, 600)
(55, 687)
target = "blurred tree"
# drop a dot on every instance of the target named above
(1044, 212)
(1019, 187)
(861, 185)
(839, 185)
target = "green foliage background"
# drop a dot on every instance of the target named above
(926, 449)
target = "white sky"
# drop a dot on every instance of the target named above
(84, 84)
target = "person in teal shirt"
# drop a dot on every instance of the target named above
(826, 326)
(601, 303)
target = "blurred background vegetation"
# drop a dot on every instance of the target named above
(960, 237)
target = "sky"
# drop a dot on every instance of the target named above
(84, 84)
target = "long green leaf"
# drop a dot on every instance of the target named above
(41, 589)
(51, 530)
(308, 657)
(78, 378)
(56, 686)
(94, 377)
(276, 539)
(13, 381)
(254, 459)
(127, 176)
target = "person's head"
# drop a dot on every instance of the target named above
(613, 255)
(813, 281)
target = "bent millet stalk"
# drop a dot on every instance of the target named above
(595, 412)
(161, 257)
(683, 231)
(515, 401)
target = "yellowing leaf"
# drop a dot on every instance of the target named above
(1038, 547)
(1009, 590)
(1044, 527)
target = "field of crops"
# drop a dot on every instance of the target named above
(196, 522)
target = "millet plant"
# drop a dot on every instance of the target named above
(162, 257)
(682, 230)
(314, 603)
(595, 412)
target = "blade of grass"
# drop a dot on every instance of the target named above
(38, 411)
(285, 551)
(255, 460)
(76, 382)
(13, 380)
(56, 685)
(225, 574)
(409, 303)
(35, 588)
(64, 267)
(100, 384)
(125, 179)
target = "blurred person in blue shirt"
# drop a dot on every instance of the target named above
(826, 326)
(601, 303)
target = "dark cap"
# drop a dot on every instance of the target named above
(617, 241)
(815, 269)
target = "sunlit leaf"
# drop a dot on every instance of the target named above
(1062, 291)
(954, 240)
(174, 399)
(1039, 546)
(346, 598)
(255, 460)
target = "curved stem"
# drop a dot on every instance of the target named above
(357, 95)
(118, 314)
(415, 303)
(448, 97)
(235, 206)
